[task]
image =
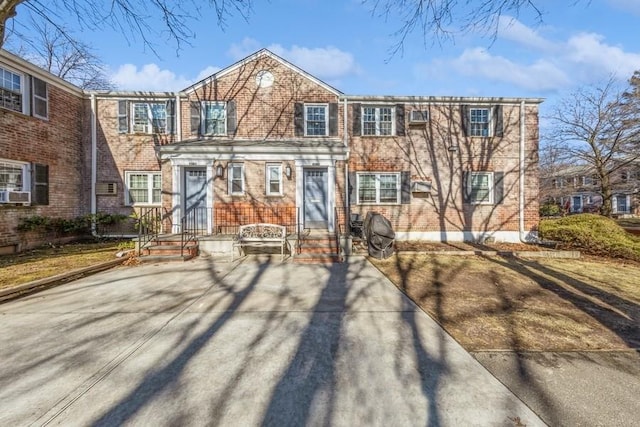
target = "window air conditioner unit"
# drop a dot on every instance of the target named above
(421, 187)
(8, 196)
(419, 116)
(106, 188)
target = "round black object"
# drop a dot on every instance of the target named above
(379, 234)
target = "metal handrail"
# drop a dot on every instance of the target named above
(190, 226)
(149, 223)
(298, 242)
(336, 230)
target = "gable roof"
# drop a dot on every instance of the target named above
(259, 54)
(24, 66)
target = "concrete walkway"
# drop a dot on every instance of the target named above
(254, 343)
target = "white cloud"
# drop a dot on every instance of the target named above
(325, 63)
(207, 72)
(540, 75)
(510, 28)
(150, 77)
(589, 50)
(548, 66)
(246, 47)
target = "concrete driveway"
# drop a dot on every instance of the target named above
(252, 343)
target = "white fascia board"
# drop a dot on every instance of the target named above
(438, 100)
(253, 57)
(19, 64)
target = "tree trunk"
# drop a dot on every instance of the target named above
(7, 11)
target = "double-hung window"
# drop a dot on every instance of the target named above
(273, 182)
(13, 176)
(40, 99)
(479, 122)
(214, 118)
(11, 87)
(236, 178)
(143, 188)
(378, 188)
(378, 121)
(481, 187)
(316, 120)
(150, 117)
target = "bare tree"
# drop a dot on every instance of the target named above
(598, 127)
(55, 50)
(441, 19)
(134, 18)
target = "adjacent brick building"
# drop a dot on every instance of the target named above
(263, 139)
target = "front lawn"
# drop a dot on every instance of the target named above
(505, 303)
(50, 261)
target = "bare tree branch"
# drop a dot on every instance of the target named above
(135, 19)
(598, 127)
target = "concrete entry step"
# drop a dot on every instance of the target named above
(168, 248)
(318, 246)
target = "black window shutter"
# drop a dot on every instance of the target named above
(298, 118)
(353, 190)
(171, 116)
(405, 187)
(195, 118)
(123, 116)
(333, 119)
(465, 111)
(466, 186)
(400, 129)
(232, 119)
(39, 184)
(498, 120)
(498, 187)
(357, 119)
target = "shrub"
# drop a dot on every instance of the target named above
(592, 234)
(550, 209)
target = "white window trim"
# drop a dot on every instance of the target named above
(149, 125)
(230, 179)
(490, 125)
(614, 203)
(23, 90)
(377, 181)
(26, 174)
(150, 175)
(267, 176)
(377, 117)
(203, 114)
(38, 97)
(326, 118)
(491, 188)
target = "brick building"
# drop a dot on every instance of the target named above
(42, 151)
(262, 140)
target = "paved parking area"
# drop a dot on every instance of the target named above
(251, 343)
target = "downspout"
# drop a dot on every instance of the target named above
(521, 171)
(94, 161)
(178, 127)
(345, 138)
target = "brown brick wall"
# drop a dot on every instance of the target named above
(263, 113)
(56, 142)
(122, 152)
(424, 151)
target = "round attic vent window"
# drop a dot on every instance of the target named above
(264, 78)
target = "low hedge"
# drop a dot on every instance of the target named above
(592, 234)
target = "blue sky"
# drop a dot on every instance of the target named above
(344, 44)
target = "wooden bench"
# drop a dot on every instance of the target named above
(260, 235)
